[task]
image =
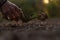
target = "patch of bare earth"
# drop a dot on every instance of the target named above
(32, 30)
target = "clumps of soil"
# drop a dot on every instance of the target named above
(32, 30)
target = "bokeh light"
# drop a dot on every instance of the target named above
(46, 1)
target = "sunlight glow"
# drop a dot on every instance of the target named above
(46, 1)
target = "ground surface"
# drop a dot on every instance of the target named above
(33, 30)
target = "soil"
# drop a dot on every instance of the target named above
(32, 30)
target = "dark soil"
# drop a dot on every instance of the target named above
(32, 30)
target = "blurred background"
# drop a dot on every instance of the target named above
(32, 7)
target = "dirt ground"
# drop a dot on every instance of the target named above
(32, 30)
